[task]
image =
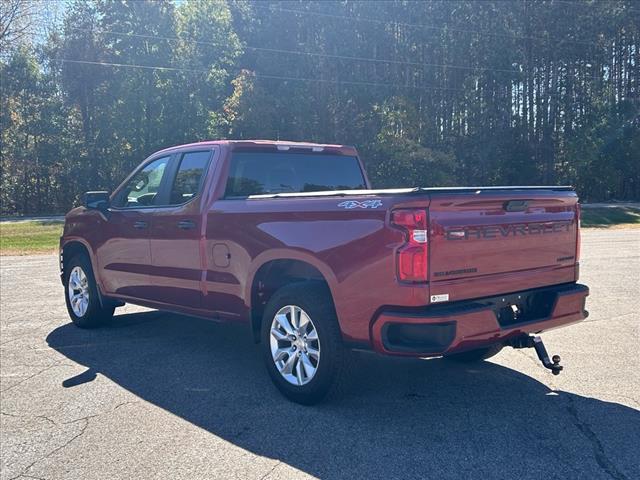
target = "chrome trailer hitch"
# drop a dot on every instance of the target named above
(527, 341)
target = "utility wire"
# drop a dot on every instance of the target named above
(299, 52)
(356, 82)
(577, 3)
(446, 27)
(258, 75)
(317, 54)
(131, 65)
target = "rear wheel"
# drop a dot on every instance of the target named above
(475, 355)
(81, 294)
(302, 344)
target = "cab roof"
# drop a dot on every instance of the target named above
(276, 145)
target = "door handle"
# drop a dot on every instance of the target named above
(186, 224)
(140, 225)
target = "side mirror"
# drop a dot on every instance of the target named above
(96, 200)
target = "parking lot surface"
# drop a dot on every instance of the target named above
(158, 395)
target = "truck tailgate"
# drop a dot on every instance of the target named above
(506, 239)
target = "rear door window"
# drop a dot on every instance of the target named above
(189, 177)
(256, 173)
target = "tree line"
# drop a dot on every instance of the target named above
(431, 93)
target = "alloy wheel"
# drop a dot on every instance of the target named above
(78, 290)
(295, 346)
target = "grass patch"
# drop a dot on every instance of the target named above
(27, 237)
(603, 217)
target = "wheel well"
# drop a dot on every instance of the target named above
(272, 276)
(72, 249)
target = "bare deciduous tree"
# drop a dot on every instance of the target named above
(16, 21)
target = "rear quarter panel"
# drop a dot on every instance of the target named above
(352, 248)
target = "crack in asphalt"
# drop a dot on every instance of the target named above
(55, 450)
(125, 403)
(84, 419)
(271, 470)
(41, 417)
(55, 364)
(87, 418)
(44, 417)
(603, 461)
(2, 344)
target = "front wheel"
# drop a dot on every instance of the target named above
(81, 294)
(302, 344)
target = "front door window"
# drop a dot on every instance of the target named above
(142, 189)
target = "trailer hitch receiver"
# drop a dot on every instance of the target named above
(536, 342)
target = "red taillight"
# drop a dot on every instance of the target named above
(412, 257)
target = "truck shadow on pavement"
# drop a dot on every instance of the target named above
(399, 419)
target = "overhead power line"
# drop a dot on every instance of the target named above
(445, 27)
(300, 52)
(576, 3)
(259, 75)
(131, 65)
(356, 82)
(316, 54)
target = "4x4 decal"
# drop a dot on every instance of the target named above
(350, 204)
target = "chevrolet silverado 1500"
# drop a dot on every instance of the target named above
(290, 239)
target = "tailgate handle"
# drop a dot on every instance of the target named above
(516, 205)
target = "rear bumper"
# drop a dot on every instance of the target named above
(466, 325)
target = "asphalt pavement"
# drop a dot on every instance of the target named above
(158, 395)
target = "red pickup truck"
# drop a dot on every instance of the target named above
(290, 239)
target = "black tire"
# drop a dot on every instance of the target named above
(476, 355)
(331, 374)
(95, 315)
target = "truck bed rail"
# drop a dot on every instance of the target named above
(414, 191)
